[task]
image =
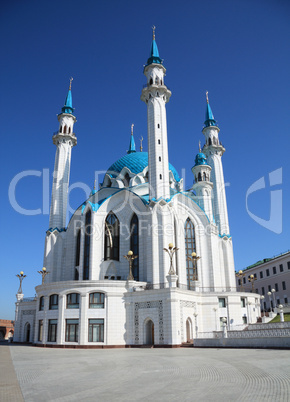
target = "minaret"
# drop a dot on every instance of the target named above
(213, 151)
(203, 186)
(64, 140)
(156, 95)
(132, 147)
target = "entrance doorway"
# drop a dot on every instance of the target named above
(27, 332)
(188, 330)
(149, 332)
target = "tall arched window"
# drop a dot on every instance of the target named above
(112, 237)
(87, 245)
(134, 245)
(189, 237)
(78, 252)
(126, 180)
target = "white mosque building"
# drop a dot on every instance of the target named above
(90, 296)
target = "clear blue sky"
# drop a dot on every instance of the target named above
(238, 50)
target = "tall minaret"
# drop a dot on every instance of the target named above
(64, 140)
(213, 151)
(155, 95)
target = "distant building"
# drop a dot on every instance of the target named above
(270, 275)
(6, 329)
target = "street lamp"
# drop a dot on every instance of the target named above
(281, 312)
(21, 276)
(262, 298)
(196, 327)
(269, 294)
(194, 259)
(224, 321)
(171, 251)
(130, 257)
(241, 275)
(274, 298)
(252, 279)
(43, 272)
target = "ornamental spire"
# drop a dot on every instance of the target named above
(209, 117)
(154, 53)
(132, 147)
(67, 108)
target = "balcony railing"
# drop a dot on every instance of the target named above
(156, 85)
(193, 288)
(28, 299)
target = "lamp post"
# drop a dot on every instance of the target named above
(281, 312)
(171, 251)
(224, 321)
(21, 276)
(194, 259)
(196, 327)
(269, 294)
(274, 298)
(252, 279)
(261, 300)
(130, 257)
(241, 275)
(43, 272)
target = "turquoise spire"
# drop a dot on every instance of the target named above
(67, 108)
(132, 147)
(209, 118)
(154, 53)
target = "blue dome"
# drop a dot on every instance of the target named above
(136, 162)
(200, 159)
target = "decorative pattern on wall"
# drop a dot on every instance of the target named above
(147, 305)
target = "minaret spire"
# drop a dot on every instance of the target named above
(132, 147)
(64, 140)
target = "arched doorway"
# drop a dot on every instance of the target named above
(149, 332)
(188, 330)
(2, 336)
(27, 332)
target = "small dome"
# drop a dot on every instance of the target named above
(136, 162)
(200, 159)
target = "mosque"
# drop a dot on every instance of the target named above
(141, 261)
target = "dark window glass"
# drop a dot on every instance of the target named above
(72, 331)
(53, 302)
(40, 330)
(191, 269)
(96, 330)
(255, 275)
(274, 270)
(160, 176)
(78, 248)
(72, 300)
(41, 303)
(269, 288)
(243, 302)
(276, 287)
(267, 272)
(112, 230)
(281, 267)
(263, 291)
(244, 280)
(284, 285)
(126, 180)
(96, 300)
(239, 282)
(261, 274)
(158, 142)
(134, 245)
(87, 245)
(52, 330)
(288, 264)
(285, 300)
(222, 302)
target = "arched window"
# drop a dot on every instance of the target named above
(204, 176)
(189, 237)
(78, 248)
(96, 300)
(69, 130)
(112, 237)
(53, 302)
(60, 130)
(199, 176)
(64, 130)
(134, 245)
(126, 180)
(209, 141)
(87, 245)
(41, 303)
(151, 81)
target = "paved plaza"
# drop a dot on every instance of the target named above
(184, 374)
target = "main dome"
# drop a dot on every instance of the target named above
(136, 162)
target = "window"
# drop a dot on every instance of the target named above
(222, 302)
(160, 176)
(243, 302)
(261, 274)
(52, 330)
(239, 282)
(263, 290)
(281, 267)
(72, 331)
(96, 300)
(199, 177)
(158, 125)
(40, 330)
(255, 275)
(41, 303)
(244, 320)
(158, 142)
(112, 237)
(53, 302)
(159, 158)
(191, 268)
(285, 300)
(96, 330)
(72, 300)
(134, 245)
(288, 264)
(244, 280)
(267, 272)
(126, 180)
(269, 288)
(274, 271)
(276, 287)
(284, 285)
(87, 245)
(78, 248)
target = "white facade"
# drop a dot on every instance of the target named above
(87, 298)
